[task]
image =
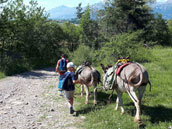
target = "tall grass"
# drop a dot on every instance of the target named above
(156, 107)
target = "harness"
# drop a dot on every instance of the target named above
(114, 72)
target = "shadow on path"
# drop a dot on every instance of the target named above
(42, 73)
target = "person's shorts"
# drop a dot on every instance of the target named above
(69, 94)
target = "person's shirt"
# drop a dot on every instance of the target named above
(71, 76)
(58, 63)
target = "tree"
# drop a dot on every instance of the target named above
(79, 11)
(3, 29)
(126, 15)
(89, 30)
(71, 33)
(123, 16)
(27, 37)
(170, 29)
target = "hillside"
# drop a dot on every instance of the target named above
(64, 12)
(163, 8)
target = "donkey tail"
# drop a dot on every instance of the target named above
(92, 80)
(150, 85)
(134, 76)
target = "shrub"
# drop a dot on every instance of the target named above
(12, 66)
(82, 54)
(123, 45)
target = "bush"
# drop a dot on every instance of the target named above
(123, 45)
(82, 54)
(2, 75)
(12, 66)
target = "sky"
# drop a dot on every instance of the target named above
(49, 4)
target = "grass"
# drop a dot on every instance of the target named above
(2, 75)
(156, 107)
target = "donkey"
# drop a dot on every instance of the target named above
(88, 76)
(131, 78)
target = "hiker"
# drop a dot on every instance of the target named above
(61, 69)
(68, 85)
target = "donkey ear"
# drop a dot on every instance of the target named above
(103, 67)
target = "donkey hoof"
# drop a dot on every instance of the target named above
(137, 120)
(122, 113)
(95, 103)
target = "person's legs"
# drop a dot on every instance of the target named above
(70, 98)
(60, 84)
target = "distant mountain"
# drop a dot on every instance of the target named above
(62, 12)
(164, 8)
(67, 13)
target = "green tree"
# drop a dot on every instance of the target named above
(28, 40)
(157, 31)
(123, 45)
(126, 15)
(170, 29)
(72, 33)
(79, 11)
(89, 31)
(83, 53)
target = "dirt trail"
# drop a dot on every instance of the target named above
(30, 101)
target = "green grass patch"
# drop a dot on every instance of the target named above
(2, 75)
(157, 104)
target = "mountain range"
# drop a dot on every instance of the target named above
(68, 13)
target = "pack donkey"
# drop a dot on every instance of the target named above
(132, 77)
(88, 76)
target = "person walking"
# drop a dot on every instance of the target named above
(69, 85)
(61, 69)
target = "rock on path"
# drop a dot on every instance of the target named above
(30, 101)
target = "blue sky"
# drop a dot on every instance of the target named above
(49, 4)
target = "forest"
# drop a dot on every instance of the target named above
(30, 40)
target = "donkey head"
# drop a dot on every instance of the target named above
(105, 68)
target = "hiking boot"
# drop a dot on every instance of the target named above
(71, 110)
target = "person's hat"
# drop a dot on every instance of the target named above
(70, 65)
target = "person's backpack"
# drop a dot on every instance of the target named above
(67, 82)
(62, 66)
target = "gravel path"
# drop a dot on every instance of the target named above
(30, 101)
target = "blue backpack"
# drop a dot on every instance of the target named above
(62, 66)
(67, 83)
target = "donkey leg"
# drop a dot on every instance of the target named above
(82, 90)
(119, 101)
(133, 96)
(95, 94)
(87, 94)
(141, 91)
